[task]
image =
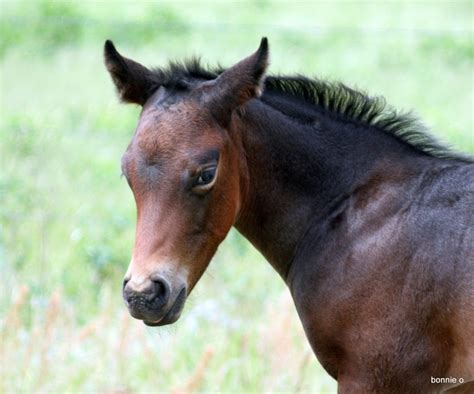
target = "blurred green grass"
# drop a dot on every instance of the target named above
(67, 219)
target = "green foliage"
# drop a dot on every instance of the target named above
(67, 218)
(46, 25)
(450, 48)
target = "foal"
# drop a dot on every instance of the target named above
(368, 221)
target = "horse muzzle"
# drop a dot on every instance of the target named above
(154, 300)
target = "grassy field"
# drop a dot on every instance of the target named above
(67, 218)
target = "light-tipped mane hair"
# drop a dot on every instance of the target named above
(333, 97)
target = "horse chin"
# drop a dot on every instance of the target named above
(163, 322)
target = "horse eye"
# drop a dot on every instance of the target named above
(206, 176)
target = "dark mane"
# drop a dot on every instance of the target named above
(333, 97)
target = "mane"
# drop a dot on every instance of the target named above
(333, 97)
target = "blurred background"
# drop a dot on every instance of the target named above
(67, 218)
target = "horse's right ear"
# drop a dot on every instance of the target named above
(238, 84)
(135, 83)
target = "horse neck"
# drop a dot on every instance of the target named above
(296, 175)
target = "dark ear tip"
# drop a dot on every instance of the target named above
(262, 53)
(109, 48)
(263, 45)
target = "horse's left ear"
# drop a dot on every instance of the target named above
(238, 84)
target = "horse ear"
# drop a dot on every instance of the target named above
(135, 83)
(238, 84)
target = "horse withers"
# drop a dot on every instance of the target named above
(366, 218)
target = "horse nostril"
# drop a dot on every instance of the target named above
(126, 291)
(125, 281)
(160, 289)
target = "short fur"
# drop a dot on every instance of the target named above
(365, 217)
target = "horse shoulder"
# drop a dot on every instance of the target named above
(381, 296)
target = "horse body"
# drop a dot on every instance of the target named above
(394, 297)
(381, 272)
(367, 220)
